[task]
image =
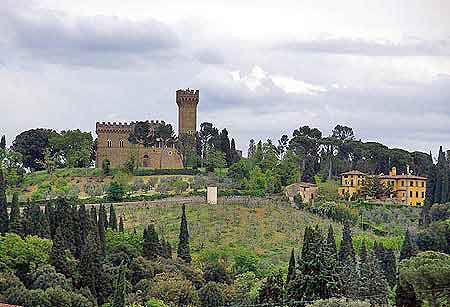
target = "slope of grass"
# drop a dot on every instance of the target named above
(268, 231)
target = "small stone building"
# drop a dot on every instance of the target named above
(308, 191)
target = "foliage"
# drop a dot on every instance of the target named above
(339, 302)
(211, 295)
(183, 245)
(115, 191)
(174, 289)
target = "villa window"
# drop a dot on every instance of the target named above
(403, 183)
(410, 194)
(423, 184)
(423, 194)
(417, 183)
(417, 194)
(411, 183)
(109, 143)
(352, 182)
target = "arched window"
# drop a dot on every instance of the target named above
(121, 143)
(109, 143)
(146, 161)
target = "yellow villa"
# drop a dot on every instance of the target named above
(407, 189)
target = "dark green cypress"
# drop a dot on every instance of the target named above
(101, 231)
(373, 286)
(76, 229)
(51, 216)
(390, 267)
(151, 246)
(363, 252)
(331, 240)
(346, 250)
(120, 288)
(15, 223)
(184, 252)
(57, 255)
(83, 223)
(405, 296)
(408, 247)
(35, 219)
(102, 212)
(121, 224)
(44, 231)
(94, 218)
(112, 218)
(4, 219)
(291, 268)
(3, 142)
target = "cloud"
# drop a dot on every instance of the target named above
(359, 46)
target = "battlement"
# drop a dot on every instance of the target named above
(187, 96)
(120, 127)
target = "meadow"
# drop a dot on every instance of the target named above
(267, 232)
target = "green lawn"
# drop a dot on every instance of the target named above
(270, 231)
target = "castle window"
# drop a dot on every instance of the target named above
(170, 153)
(403, 183)
(109, 143)
(121, 143)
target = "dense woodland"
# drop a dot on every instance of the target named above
(60, 252)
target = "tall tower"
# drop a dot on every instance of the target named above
(187, 101)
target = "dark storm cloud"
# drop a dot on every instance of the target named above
(413, 47)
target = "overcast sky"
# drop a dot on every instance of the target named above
(263, 67)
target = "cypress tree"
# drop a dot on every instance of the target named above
(291, 268)
(45, 225)
(51, 216)
(83, 223)
(3, 142)
(35, 219)
(390, 267)
(57, 255)
(76, 230)
(101, 231)
(120, 288)
(15, 223)
(151, 247)
(112, 218)
(102, 212)
(121, 224)
(373, 284)
(363, 252)
(331, 241)
(346, 250)
(408, 247)
(184, 252)
(4, 219)
(94, 218)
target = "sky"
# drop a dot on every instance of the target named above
(263, 68)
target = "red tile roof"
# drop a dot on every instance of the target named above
(353, 172)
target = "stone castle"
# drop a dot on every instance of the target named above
(113, 144)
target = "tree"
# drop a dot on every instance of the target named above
(151, 246)
(3, 142)
(31, 145)
(251, 149)
(429, 275)
(235, 157)
(183, 244)
(346, 250)
(57, 256)
(363, 252)
(215, 159)
(4, 219)
(106, 167)
(112, 218)
(15, 223)
(185, 146)
(115, 191)
(120, 288)
(121, 224)
(372, 186)
(405, 296)
(331, 241)
(291, 268)
(339, 302)
(74, 147)
(408, 249)
(271, 291)
(101, 230)
(224, 142)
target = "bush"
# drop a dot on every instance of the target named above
(115, 191)
(339, 212)
(151, 172)
(211, 295)
(339, 302)
(174, 289)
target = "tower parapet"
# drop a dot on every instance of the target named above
(187, 101)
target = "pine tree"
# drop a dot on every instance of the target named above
(291, 268)
(151, 246)
(346, 250)
(15, 223)
(101, 231)
(120, 288)
(121, 224)
(4, 219)
(57, 255)
(184, 252)
(408, 247)
(112, 218)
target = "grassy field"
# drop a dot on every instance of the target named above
(268, 231)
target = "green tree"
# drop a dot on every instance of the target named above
(31, 144)
(115, 191)
(346, 250)
(291, 268)
(58, 254)
(151, 246)
(339, 302)
(211, 295)
(15, 222)
(121, 224)
(3, 142)
(373, 187)
(101, 230)
(215, 159)
(331, 241)
(112, 218)
(120, 288)
(429, 275)
(408, 249)
(184, 252)
(272, 290)
(4, 219)
(106, 167)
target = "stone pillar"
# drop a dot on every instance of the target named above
(212, 196)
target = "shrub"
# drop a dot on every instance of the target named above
(138, 185)
(339, 302)
(211, 295)
(115, 191)
(174, 289)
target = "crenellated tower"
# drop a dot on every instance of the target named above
(187, 101)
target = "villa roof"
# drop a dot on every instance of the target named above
(6, 305)
(403, 176)
(353, 172)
